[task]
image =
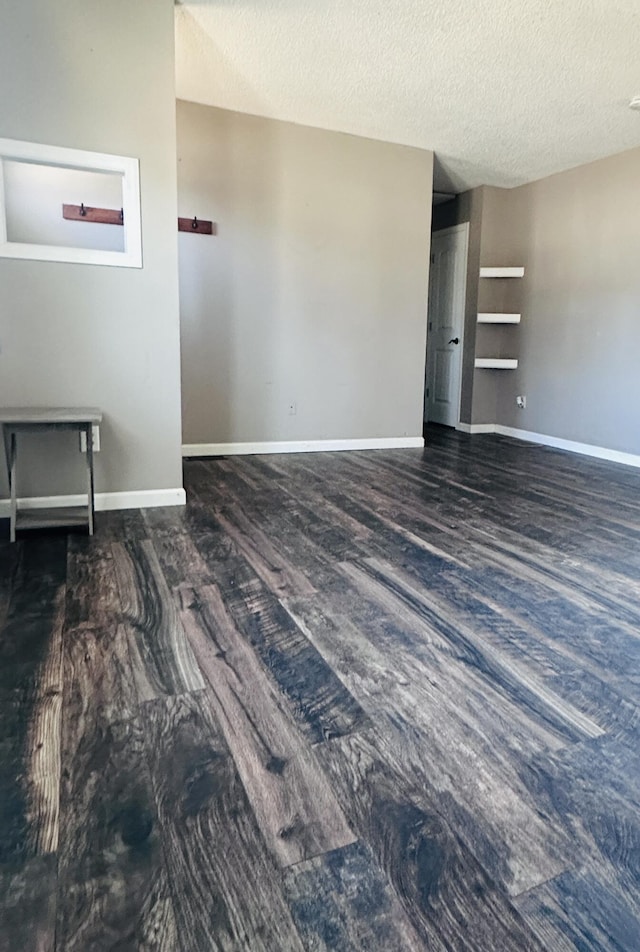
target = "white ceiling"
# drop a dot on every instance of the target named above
(504, 91)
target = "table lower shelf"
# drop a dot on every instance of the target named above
(70, 516)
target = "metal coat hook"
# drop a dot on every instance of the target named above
(194, 223)
(83, 210)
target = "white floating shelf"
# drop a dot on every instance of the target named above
(495, 363)
(499, 318)
(502, 272)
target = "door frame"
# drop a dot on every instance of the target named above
(462, 228)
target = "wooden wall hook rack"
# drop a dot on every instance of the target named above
(101, 216)
(115, 216)
(197, 226)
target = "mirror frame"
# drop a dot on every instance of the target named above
(38, 154)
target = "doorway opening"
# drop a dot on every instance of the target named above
(445, 333)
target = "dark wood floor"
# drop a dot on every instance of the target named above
(363, 701)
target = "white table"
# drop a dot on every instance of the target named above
(17, 420)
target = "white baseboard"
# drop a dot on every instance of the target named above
(572, 446)
(584, 449)
(301, 446)
(137, 499)
(476, 427)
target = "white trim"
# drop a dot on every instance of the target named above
(584, 449)
(557, 442)
(302, 446)
(495, 318)
(466, 231)
(502, 272)
(136, 499)
(129, 168)
(495, 363)
(476, 427)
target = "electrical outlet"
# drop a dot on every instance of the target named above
(521, 402)
(293, 409)
(96, 439)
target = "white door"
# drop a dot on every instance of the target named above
(447, 290)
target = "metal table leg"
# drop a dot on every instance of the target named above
(90, 490)
(12, 483)
(7, 452)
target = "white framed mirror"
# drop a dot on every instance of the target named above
(37, 181)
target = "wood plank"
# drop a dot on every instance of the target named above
(165, 522)
(578, 911)
(317, 698)
(307, 492)
(10, 556)
(392, 589)
(224, 884)
(342, 901)
(98, 677)
(610, 587)
(181, 561)
(573, 783)
(472, 592)
(603, 639)
(299, 543)
(93, 600)
(565, 669)
(162, 660)
(28, 905)
(303, 541)
(197, 226)
(100, 216)
(449, 899)
(30, 705)
(30, 708)
(280, 575)
(112, 882)
(295, 808)
(461, 663)
(197, 473)
(99, 685)
(37, 577)
(588, 587)
(111, 864)
(387, 539)
(451, 737)
(550, 513)
(120, 524)
(294, 516)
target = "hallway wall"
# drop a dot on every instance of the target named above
(314, 292)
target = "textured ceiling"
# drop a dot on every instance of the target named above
(504, 91)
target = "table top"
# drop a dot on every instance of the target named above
(50, 415)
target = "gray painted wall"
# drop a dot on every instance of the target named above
(503, 242)
(98, 76)
(314, 291)
(578, 343)
(580, 331)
